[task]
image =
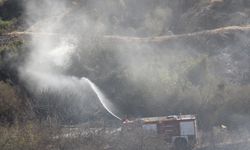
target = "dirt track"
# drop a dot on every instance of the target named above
(205, 41)
(219, 31)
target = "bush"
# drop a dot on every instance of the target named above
(12, 105)
(9, 103)
(6, 25)
(27, 136)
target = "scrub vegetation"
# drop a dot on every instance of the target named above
(149, 58)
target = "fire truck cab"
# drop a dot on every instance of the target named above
(179, 130)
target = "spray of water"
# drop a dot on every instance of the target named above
(105, 102)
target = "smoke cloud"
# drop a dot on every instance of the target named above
(50, 56)
(75, 33)
(141, 79)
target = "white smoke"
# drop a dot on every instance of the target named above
(50, 56)
(145, 68)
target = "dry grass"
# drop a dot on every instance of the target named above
(33, 136)
(25, 137)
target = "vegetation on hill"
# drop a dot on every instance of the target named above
(212, 83)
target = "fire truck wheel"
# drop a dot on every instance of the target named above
(181, 144)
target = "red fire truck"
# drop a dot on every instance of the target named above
(179, 130)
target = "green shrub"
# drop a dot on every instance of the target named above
(6, 25)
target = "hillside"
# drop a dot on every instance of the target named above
(144, 58)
